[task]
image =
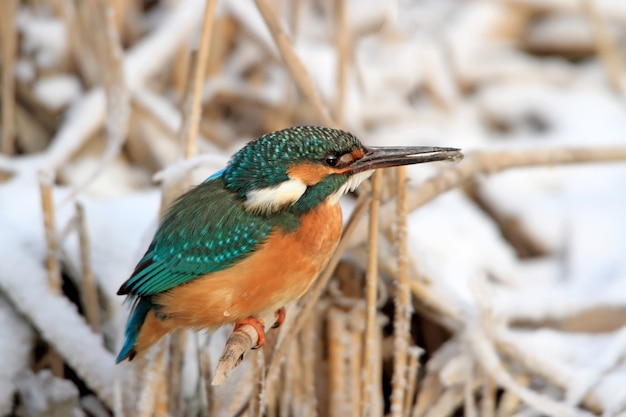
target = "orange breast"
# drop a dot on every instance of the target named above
(277, 273)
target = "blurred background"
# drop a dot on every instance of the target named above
(501, 293)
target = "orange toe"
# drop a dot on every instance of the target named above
(258, 325)
(280, 317)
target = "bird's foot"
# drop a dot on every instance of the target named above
(258, 325)
(280, 317)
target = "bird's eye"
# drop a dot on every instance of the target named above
(331, 160)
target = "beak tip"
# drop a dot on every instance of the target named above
(454, 155)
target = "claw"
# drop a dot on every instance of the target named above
(280, 317)
(258, 325)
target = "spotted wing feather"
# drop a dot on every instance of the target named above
(206, 230)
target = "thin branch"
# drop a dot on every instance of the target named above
(293, 63)
(90, 291)
(371, 287)
(403, 306)
(239, 342)
(484, 162)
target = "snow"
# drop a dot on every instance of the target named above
(407, 87)
(44, 36)
(43, 394)
(17, 347)
(58, 91)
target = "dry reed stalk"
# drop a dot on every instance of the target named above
(355, 359)
(257, 399)
(181, 69)
(275, 388)
(205, 376)
(84, 27)
(296, 5)
(431, 390)
(111, 57)
(371, 292)
(174, 371)
(488, 397)
(193, 97)
(295, 67)
(402, 301)
(412, 369)
(89, 288)
(293, 390)
(309, 339)
(118, 402)
(445, 405)
(46, 181)
(8, 10)
(490, 162)
(308, 302)
(469, 402)
(145, 105)
(343, 56)
(154, 378)
(607, 50)
(120, 8)
(509, 402)
(100, 29)
(241, 398)
(238, 343)
(162, 400)
(336, 330)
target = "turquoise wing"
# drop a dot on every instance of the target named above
(206, 230)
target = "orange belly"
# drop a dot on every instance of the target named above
(279, 272)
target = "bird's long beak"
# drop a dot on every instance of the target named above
(383, 157)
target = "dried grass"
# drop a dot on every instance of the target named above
(336, 354)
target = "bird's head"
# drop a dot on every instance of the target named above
(300, 167)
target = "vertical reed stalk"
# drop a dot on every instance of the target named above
(370, 383)
(90, 290)
(402, 301)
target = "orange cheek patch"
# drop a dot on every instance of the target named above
(357, 154)
(309, 174)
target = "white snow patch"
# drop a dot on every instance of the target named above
(15, 350)
(44, 36)
(57, 91)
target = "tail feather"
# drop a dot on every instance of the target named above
(140, 310)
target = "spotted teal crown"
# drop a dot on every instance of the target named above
(264, 162)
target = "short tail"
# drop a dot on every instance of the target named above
(140, 310)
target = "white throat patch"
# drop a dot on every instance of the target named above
(350, 185)
(266, 200)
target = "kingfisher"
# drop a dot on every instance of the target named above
(254, 236)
